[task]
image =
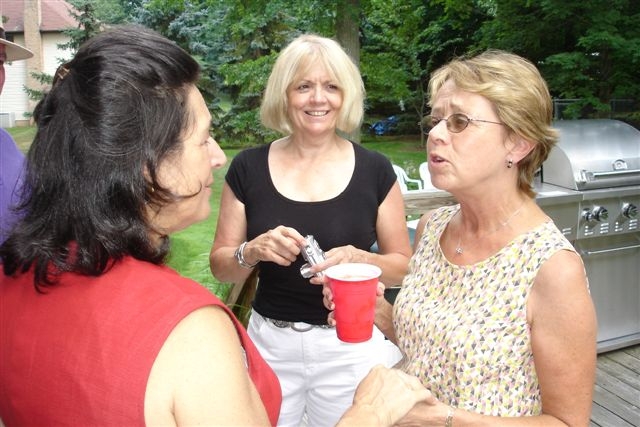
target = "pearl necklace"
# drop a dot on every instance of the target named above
(460, 251)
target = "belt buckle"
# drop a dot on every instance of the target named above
(280, 323)
(302, 329)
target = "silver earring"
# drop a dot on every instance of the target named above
(509, 163)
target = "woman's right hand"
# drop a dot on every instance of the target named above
(384, 397)
(280, 245)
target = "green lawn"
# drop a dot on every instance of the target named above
(190, 247)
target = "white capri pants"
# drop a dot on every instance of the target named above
(318, 373)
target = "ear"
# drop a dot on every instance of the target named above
(520, 147)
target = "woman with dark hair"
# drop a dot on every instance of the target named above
(122, 158)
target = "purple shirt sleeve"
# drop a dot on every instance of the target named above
(11, 175)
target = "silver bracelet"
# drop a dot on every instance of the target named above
(448, 422)
(239, 254)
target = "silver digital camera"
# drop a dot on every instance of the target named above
(312, 253)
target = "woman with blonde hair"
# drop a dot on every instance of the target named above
(315, 182)
(495, 315)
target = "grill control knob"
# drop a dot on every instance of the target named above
(588, 216)
(629, 210)
(598, 213)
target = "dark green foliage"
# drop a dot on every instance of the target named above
(587, 50)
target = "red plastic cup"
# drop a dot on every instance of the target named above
(354, 293)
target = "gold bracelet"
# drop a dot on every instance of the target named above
(448, 422)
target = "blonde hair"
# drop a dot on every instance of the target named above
(519, 94)
(295, 59)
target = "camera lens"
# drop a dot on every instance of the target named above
(304, 271)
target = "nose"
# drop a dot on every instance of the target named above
(218, 158)
(439, 132)
(318, 94)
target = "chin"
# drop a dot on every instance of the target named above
(203, 215)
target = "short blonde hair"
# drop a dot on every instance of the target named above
(294, 60)
(519, 94)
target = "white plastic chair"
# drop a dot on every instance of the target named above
(404, 180)
(425, 176)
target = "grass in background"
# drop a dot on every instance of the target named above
(22, 135)
(190, 247)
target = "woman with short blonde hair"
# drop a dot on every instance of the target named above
(306, 51)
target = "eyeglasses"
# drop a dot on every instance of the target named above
(456, 122)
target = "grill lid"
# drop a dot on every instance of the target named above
(592, 154)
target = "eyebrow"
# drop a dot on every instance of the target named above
(455, 107)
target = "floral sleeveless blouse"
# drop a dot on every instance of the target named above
(463, 329)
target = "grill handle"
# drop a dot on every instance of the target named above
(615, 173)
(611, 250)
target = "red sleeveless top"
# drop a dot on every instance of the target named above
(81, 354)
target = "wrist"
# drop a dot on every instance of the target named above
(368, 257)
(448, 422)
(239, 255)
(361, 414)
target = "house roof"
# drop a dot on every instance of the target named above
(55, 15)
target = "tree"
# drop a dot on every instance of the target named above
(404, 41)
(236, 43)
(348, 35)
(586, 49)
(83, 11)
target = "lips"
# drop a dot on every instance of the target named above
(437, 159)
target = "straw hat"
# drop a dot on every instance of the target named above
(14, 51)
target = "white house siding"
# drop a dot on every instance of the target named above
(14, 102)
(52, 55)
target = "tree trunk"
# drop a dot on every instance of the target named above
(348, 35)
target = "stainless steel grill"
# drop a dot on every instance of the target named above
(590, 187)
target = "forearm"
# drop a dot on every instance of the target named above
(225, 267)
(384, 319)
(424, 414)
(394, 266)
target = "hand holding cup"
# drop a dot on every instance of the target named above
(353, 291)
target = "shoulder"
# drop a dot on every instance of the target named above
(374, 167)
(159, 280)
(561, 288)
(443, 213)
(249, 165)
(5, 137)
(434, 216)
(8, 147)
(364, 153)
(251, 154)
(561, 272)
(202, 352)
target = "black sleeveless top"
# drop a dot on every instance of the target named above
(348, 219)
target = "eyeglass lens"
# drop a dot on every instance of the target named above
(455, 123)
